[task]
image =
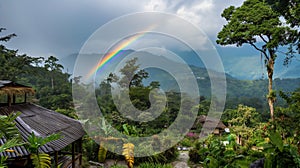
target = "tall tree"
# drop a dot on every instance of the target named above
(12, 65)
(131, 74)
(256, 24)
(52, 65)
(290, 10)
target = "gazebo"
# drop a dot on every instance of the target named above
(42, 122)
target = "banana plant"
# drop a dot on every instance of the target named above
(9, 131)
(106, 129)
(8, 127)
(40, 160)
(128, 152)
(128, 148)
(6, 148)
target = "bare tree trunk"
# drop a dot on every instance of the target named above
(271, 99)
(52, 83)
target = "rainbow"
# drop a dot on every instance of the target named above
(115, 52)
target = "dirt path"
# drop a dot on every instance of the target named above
(182, 160)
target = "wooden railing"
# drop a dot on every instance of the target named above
(78, 157)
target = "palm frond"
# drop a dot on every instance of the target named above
(41, 160)
(10, 143)
(8, 127)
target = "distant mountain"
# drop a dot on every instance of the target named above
(240, 67)
(246, 63)
(235, 86)
(69, 61)
(252, 67)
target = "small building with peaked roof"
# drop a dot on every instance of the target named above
(211, 124)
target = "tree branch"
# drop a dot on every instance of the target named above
(263, 38)
(262, 51)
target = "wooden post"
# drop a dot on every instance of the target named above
(80, 151)
(56, 159)
(73, 155)
(25, 98)
(9, 99)
(14, 99)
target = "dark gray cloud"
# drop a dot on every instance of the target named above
(60, 27)
(56, 27)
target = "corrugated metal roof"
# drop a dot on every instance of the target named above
(42, 122)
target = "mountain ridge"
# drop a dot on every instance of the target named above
(243, 67)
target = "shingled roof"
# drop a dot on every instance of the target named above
(42, 122)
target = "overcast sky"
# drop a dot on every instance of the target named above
(60, 27)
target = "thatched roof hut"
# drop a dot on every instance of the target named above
(12, 88)
(210, 123)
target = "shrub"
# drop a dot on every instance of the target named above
(118, 166)
(186, 142)
(194, 156)
(154, 165)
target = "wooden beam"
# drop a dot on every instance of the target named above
(9, 99)
(14, 99)
(56, 159)
(80, 151)
(73, 155)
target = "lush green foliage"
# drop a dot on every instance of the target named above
(118, 166)
(276, 141)
(8, 127)
(9, 131)
(290, 10)
(140, 99)
(256, 24)
(154, 165)
(40, 160)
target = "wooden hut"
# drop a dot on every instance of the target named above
(42, 122)
(210, 124)
(12, 89)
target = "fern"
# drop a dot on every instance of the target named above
(8, 127)
(128, 152)
(41, 160)
(9, 130)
